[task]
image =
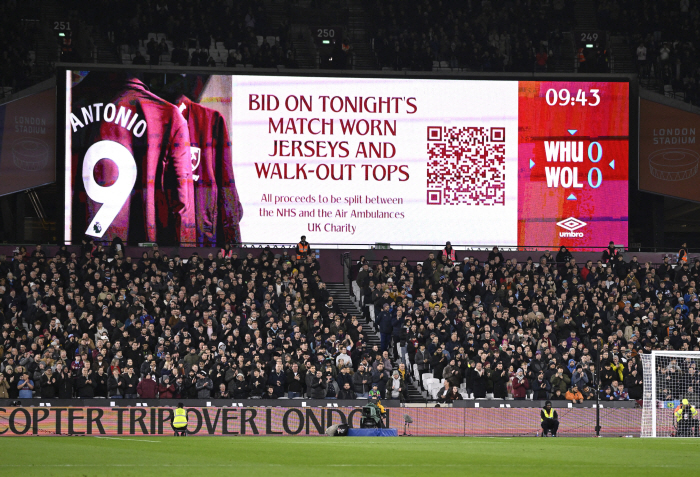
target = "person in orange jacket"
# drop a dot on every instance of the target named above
(574, 395)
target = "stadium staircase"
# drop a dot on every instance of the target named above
(347, 303)
(566, 61)
(585, 15)
(302, 44)
(304, 48)
(47, 49)
(363, 54)
(621, 58)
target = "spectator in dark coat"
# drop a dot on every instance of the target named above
(101, 379)
(296, 382)
(362, 382)
(64, 382)
(115, 385)
(318, 386)
(383, 322)
(130, 383)
(397, 323)
(48, 385)
(499, 377)
(634, 384)
(85, 385)
(478, 378)
(257, 385)
(380, 377)
(240, 387)
(204, 386)
(277, 379)
(540, 387)
(346, 392)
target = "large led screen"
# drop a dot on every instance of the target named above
(668, 152)
(28, 141)
(205, 160)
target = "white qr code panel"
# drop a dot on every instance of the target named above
(466, 165)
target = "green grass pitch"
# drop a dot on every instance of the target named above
(347, 456)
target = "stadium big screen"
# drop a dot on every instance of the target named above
(205, 159)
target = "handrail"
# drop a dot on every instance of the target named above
(393, 246)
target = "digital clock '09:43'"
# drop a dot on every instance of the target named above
(564, 98)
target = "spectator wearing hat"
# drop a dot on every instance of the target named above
(579, 377)
(607, 394)
(610, 253)
(520, 385)
(166, 389)
(607, 374)
(560, 381)
(204, 385)
(396, 386)
(238, 388)
(449, 253)
(541, 387)
(147, 387)
(634, 384)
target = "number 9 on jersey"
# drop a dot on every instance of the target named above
(111, 197)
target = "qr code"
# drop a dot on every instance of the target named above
(466, 165)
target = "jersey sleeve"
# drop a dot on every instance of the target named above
(179, 158)
(230, 207)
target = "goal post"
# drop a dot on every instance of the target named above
(669, 378)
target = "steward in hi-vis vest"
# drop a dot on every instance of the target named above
(549, 420)
(180, 420)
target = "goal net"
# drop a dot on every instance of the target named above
(670, 377)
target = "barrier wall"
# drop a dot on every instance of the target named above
(138, 421)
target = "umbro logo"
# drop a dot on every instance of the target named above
(571, 224)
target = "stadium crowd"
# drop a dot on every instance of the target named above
(664, 36)
(188, 33)
(506, 328)
(100, 324)
(17, 39)
(493, 35)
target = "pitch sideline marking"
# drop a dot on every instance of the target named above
(123, 439)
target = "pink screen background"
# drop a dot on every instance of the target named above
(604, 209)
